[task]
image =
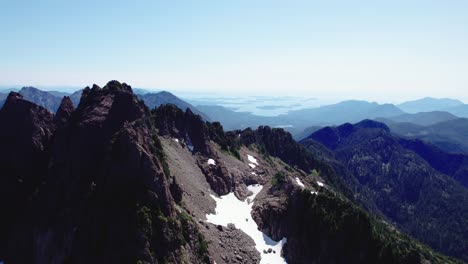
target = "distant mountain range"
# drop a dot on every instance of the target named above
(153, 100)
(429, 104)
(45, 99)
(421, 118)
(51, 99)
(450, 135)
(3, 97)
(297, 121)
(440, 125)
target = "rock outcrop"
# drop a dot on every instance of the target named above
(172, 121)
(105, 196)
(64, 111)
(25, 137)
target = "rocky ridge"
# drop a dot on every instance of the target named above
(119, 183)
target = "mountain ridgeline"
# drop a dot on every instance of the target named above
(416, 186)
(112, 181)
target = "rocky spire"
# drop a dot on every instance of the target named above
(64, 111)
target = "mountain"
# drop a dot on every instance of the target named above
(141, 91)
(422, 118)
(76, 96)
(8, 90)
(405, 188)
(59, 93)
(296, 205)
(3, 97)
(459, 110)
(112, 182)
(98, 192)
(306, 132)
(42, 98)
(50, 101)
(452, 164)
(347, 111)
(451, 135)
(232, 120)
(429, 104)
(298, 120)
(153, 100)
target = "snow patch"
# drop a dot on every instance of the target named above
(253, 173)
(298, 181)
(176, 140)
(211, 162)
(320, 184)
(314, 192)
(229, 209)
(252, 165)
(252, 159)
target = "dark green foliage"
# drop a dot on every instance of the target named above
(278, 178)
(450, 136)
(203, 249)
(157, 150)
(452, 164)
(227, 141)
(322, 225)
(188, 224)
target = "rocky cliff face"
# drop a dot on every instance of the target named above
(25, 138)
(64, 112)
(195, 134)
(171, 121)
(104, 195)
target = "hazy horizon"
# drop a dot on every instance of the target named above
(203, 96)
(383, 52)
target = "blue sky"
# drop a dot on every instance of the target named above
(378, 50)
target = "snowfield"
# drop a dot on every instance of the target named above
(229, 209)
(252, 159)
(299, 182)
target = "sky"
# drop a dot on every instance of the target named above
(385, 51)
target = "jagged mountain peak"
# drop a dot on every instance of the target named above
(100, 176)
(64, 111)
(12, 96)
